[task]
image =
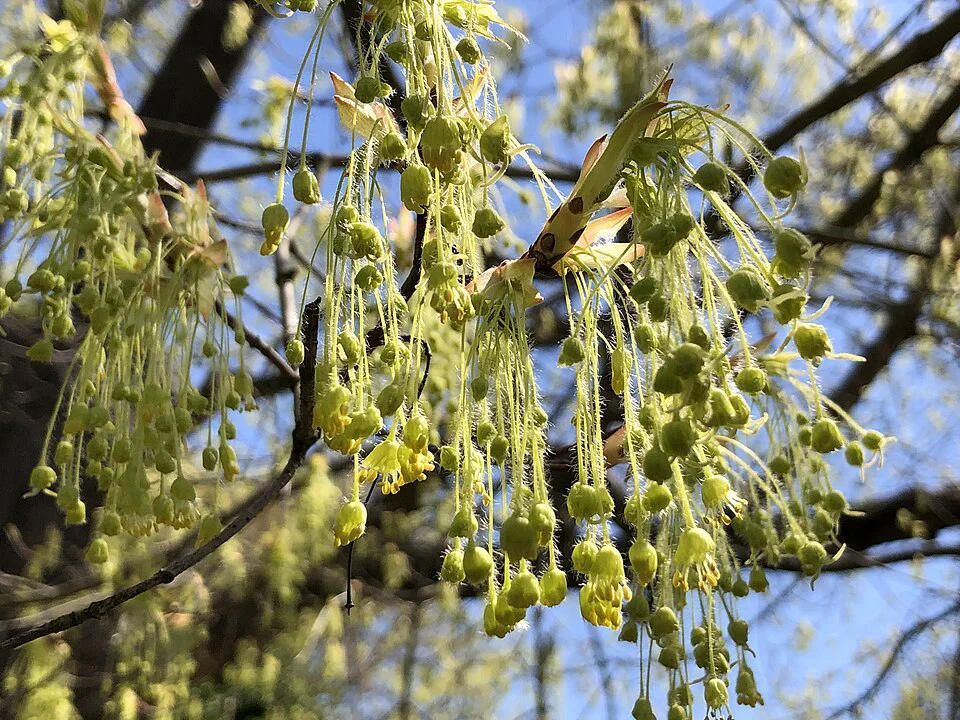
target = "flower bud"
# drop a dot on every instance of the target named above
(671, 657)
(758, 579)
(712, 177)
(398, 51)
(469, 51)
(450, 219)
(464, 524)
(751, 380)
(495, 141)
(524, 590)
(415, 187)
(645, 338)
(486, 223)
(826, 437)
(42, 477)
(306, 187)
(390, 399)
(97, 552)
(452, 569)
(784, 177)
(367, 89)
(812, 341)
(644, 289)
(747, 288)
(295, 352)
(274, 220)
(738, 631)
(656, 467)
(663, 622)
(715, 693)
(643, 559)
(873, 441)
(441, 145)
(518, 539)
(553, 587)
(417, 110)
(392, 148)
(571, 352)
(477, 564)
(210, 527)
(584, 555)
(583, 503)
(677, 438)
(351, 522)
(687, 360)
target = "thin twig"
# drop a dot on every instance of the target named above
(170, 573)
(905, 638)
(259, 344)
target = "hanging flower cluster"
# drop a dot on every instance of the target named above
(138, 295)
(724, 440)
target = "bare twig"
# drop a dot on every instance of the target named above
(168, 574)
(260, 345)
(905, 638)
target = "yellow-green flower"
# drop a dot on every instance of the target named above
(695, 553)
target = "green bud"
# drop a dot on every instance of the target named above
(747, 288)
(826, 437)
(657, 497)
(486, 223)
(469, 51)
(584, 555)
(495, 141)
(663, 622)
(392, 148)
(417, 110)
(784, 177)
(656, 466)
(873, 441)
(477, 564)
(812, 341)
(398, 51)
(368, 89)
(295, 352)
(687, 360)
(645, 338)
(658, 306)
(518, 539)
(571, 352)
(712, 177)
(751, 380)
(677, 438)
(553, 587)
(524, 590)
(854, 454)
(452, 569)
(450, 219)
(415, 187)
(644, 289)
(643, 559)
(274, 220)
(464, 524)
(42, 477)
(306, 187)
(97, 552)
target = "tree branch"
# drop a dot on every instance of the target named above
(169, 573)
(905, 638)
